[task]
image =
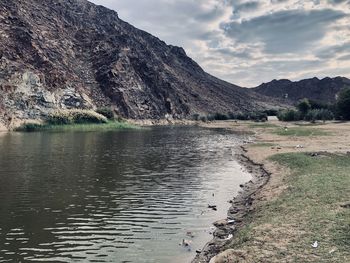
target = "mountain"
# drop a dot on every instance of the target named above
(320, 90)
(74, 54)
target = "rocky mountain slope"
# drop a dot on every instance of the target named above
(324, 90)
(74, 54)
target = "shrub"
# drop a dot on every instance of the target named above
(64, 117)
(29, 127)
(259, 116)
(232, 116)
(220, 117)
(203, 118)
(343, 104)
(289, 115)
(319, 114)
(210, 117)
(107, 112)
(195, 117)
(243, 116)
(320, 105)
(304, 106)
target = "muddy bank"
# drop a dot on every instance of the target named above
(242, 206)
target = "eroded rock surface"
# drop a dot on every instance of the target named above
(74, 54)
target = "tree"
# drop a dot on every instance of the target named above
(343, 103)
(304, 106)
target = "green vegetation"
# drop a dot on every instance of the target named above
(300, 131)
(289, 115)
(313, 111)
(64, 117)
(254, 116)
(307, 111)
(263, 125)
(319, 114)
(304, 106)
(109, 126)
(76, 120)
(315, 206)
(343, 104)
(107, 112)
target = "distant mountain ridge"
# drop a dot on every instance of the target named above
(321, 90)
(58, 54)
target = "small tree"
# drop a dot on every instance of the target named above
(343, 104)
(289, 115)
(304, 106)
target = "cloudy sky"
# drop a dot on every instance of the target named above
(248, 42)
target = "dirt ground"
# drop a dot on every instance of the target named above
(267, 143)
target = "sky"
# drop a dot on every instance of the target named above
(248, 42)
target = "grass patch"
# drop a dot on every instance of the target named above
(310, 209)
(263, 125)
(64, 117)
(87, 127)
(78, 120)
(300, 131)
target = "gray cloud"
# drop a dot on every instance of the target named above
(246, 6)
(236, 54)
(284, 31)
(332, 51)
(345, 57)
(336, 2)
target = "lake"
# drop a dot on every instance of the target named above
(122, 196)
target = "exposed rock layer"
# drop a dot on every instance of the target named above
(74, 54)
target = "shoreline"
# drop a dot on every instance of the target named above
(242, 206)
(285, 155)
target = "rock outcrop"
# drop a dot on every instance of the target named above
(74, 54)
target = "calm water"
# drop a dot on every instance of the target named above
(127, 196)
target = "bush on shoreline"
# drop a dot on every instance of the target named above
(253, 116)
(85, 120)
(65, 117)
(107, 112)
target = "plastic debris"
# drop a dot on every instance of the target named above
(231, 221)
(315, 245)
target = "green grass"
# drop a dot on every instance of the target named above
(308, 210)
(88, 127)
(263, 125)
(300, 131)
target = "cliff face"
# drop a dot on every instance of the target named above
(74, 54)
(324, 90)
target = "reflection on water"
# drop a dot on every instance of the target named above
(127, 196)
